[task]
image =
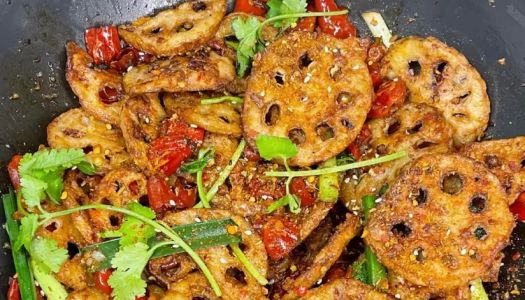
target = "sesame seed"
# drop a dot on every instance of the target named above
(347, 179)
(293, 268)
(193, 126)
(63, 196)
(248, 232)
(307, 78)
(397, 296)
(410, 216)
(175, 246)
(197, 219)
(109, 127)
(172, 203)
(463, 251)
(223, 260)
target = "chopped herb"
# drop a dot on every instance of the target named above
(329, 183)
(232, 99)
(133, 230)
(285, 7)
(204, 156)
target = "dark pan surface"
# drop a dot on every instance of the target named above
(32, 49)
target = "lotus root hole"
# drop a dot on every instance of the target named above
(393, 127)
(480, 233)
(72, 249)
(420, 196)
(297, 136)
(198, 6)
(114, 220)
(236, 274)
(452, 184)
(325, 132)
(419, 253)
(185, 27)
(343, 98)
(304, 60)
(414, 68)
(272, 115)
(492, 161)
(416, 128)
(401, 230)
(424, 144)
(347, 123)
(477, 204)
(279, 78)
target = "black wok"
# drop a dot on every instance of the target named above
(33, 34)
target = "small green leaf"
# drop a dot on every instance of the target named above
(198, 164)
(32, 189)
(246, 33)
(129, 263)
(285, 7)
(359, 270)
(271, 147)
(133, 230)
(48, 254)
(291, 200)
(87, 168)
(28, 228)
(55, 186)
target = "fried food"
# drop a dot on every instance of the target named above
(345, 288)
(202, 71)
(314, 89)
(221, 118)
(103, 142)
(99, 91)
(183, 28)
(441, 76)
(193, 286)
(505, 158)
(442, 224)
(140, 120)
(234, 280)
(171, 268)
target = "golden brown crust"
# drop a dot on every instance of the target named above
(344, 288)
(199, 72)
(193, 286)
(87, 82)
(175, 31)
(505, 158)
(73, 274)
(171, 268)
(442, 224)
(88, 294)
(312, 88)
(441, 76)
(103, 142)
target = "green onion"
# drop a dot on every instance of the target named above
(338, 169)
(232, 99)
(477, 291)
(375, 271)
(251, 268)
(329, 183)
(24, 276)
(198, 236)
(223, 175)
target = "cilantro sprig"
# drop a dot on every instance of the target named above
(282, 14)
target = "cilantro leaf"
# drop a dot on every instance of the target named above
(246, 33)
(133, 230)
(129, 263)
(28, 226)
(51, 160)
(52, 288)
(198, 164)
(359, 271)
(285, 7)
(271, 147)
(291, 200)
(48, 254)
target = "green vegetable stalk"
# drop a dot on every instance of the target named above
(375, 271)
(477, 291)
(329, 183)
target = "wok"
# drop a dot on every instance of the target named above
(32, 50)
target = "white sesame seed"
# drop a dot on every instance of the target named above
(193, 126)
(463, 251)
(397, 296)
(354, 177)
(223, 260)
(357, 67)
(378, 200)
(248, 232)
(175, 246)
(307, 78)
(347, 179)
(197, 219)
(373, 189)
(130, 68)
(329, 89)
(410, 216)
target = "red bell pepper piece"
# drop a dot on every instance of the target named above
(160, 194)
(253, 7)
(279, 236)
(103, 43)
(181, 129)
(128, 57)
(305, 193)
(338, 26)
(13, 292)
(518, 207)
(391, 94)
(12, 170)
(101, 281)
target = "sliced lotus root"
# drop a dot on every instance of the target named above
(199, 72)
(140, 120)
(73, 273)
(103, 143)
(235, 281)
(193, 286)
(171, 268)
(441, 76)
(221, 118)
(442, 224)
(312, 88)
(177, 30)
(118, 188)
(345, 288)
(397, 285)
(325, 258)
(504, 158)
(99, 91)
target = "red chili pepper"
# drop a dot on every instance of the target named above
(13, 293)
(308, 23)
(179, 128)
(251, 154)
(279, 237)
(253, 7)
(167, 153)
(362, 138)
(109, 95)
(338, 26)
(160, 194)
(391, 94)
(101, 281)
(518, 207)
(375, 52)
(305, 193)
(128, 57)
(12, 170)
(103, 43)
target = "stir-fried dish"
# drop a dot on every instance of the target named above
(267, 153)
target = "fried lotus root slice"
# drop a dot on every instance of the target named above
(192, 286)
(312, 88)
(221, 118)
(103, 143)
(140, 121)
(199, 72)
(441, 76)
(171, 268)
(345, 288)
(505, 158)
(235, 281)
(177, 30)
(442, 224)
(326, 257)
(416, 128)
(398, 286)
(99, 91)
(73, 273)
(118, 188)
(88, 294)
